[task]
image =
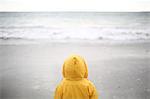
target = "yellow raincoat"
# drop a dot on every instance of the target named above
(75, 84)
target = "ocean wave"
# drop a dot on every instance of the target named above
(80, 26)
(83, 35)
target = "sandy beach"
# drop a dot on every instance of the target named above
(32, 71)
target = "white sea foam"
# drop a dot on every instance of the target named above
(77, 33)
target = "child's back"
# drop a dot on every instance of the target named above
(75, 84)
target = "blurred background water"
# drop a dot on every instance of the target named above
(77, 25)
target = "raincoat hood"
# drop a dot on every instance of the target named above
(75, 68)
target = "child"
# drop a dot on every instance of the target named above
(75, 84)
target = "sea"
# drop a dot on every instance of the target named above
(88, 26)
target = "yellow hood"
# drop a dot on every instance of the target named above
(75, 68)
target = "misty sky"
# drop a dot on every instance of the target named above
(74, 5)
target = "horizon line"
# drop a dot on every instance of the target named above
(80, 11)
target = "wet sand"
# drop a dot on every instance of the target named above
(32, 71)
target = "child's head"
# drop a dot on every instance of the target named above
(75, 67)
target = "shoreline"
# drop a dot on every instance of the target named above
(73, 41)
